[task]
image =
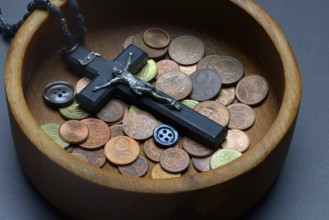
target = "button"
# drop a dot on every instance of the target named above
(165, 136)
(59, 94)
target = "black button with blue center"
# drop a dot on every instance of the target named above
(59, 94)
(165, 136)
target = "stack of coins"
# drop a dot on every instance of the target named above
(119, 137)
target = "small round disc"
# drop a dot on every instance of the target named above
(59, 94)
(174, 160)
(214, 111)
(74, 132)
(237, 140)
(139, 125)
(156, 38)
(99, 133)
(242, 116)
(138, 168)
(148, 72)
(252, 90)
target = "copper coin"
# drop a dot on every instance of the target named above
(187, 69)
(74, 132)
(95, 157)
(80, 156)
(116, 130)
(252, 90)
(230, 69)
(214, 111)
(201, 164)
(175, 84)
(165, 66)
(156, 38)
(186, 50)
(128, 41)
(121, 150)
(242, 116)
(174, 160)
(139, 125)
(81, 84)
(99, 133)
(153, 53)
(206, 84)
(152, 151)
(112, 112)
(203, 63)
(237, 140)
(226, 95)
(158, 173)
(136, 169)
(194, 148)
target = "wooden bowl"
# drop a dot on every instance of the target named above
(238, 28)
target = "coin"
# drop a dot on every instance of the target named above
(80, 156)
(156, 38)
(81, 84)
(237, 140)
(133, 109)
(136, 169)
(73, 132)
(158, 173)
(201, 164)
(203, 63)
(153, 53)
(230, 69)
(139, 125)
(94, 157)
(186, 50)
(252, 90)
(214, 111)
(226, 95)
(194, 148)
(222, 157)
(116, 130)
(112, 112)
(128, 41)
(121, 150)
(52, 130)
(187, 69)
(190, 103)
(175, 84)
(174, 160)
(165, 66)
(152, 151)
(74, 112)
(206, 84)
(242, 116)
(99, 133)
(148, 72)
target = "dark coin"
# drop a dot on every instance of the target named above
(203, 63)
(174, 160)
(95, 157)
(194, 148)
(136, 169)
(153, 53)
(116, 130)
(214, 111)
(152, 151)
(206, 84)
(112, 112)
(242, 116)
(201, 164)
(165, 66)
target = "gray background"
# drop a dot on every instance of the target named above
(300, 192)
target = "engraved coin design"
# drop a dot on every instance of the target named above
(139, 125)
(226, 95)
(73, 132)
(99, 133)
(174, 160)
(175, 84)
(158, 173)
(81, 84)
(94, 157)
(230, 69)
(79, 156)
(242, 116)
(194, 148)
(203, 63)
(201, 164)
(148, 72)
(252, 89)
(156, 38)
(165, 66)
(121, 150)
(190, 103)
(136, 169)
(112, 112)
(52, 130)
(237, 140)
(222, 157)
(153, 53)
(152, 151)
(74, 112)
(206, 84)
(117, 130)
(214, 111)
(186, 50)
(128, 41)
(187, 69)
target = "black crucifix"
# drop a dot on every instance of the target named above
(187, 121)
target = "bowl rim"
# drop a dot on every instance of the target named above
(28, 124)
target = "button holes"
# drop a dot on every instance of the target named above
(63, 91)
(170, 135)
(161, 136)
(60, 95)
(166, 139)
(164, 131)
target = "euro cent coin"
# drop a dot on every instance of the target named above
(99, 133)
(74, 132)
(174, 160)
(214, 111)
(252, 90)
(156, 38)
